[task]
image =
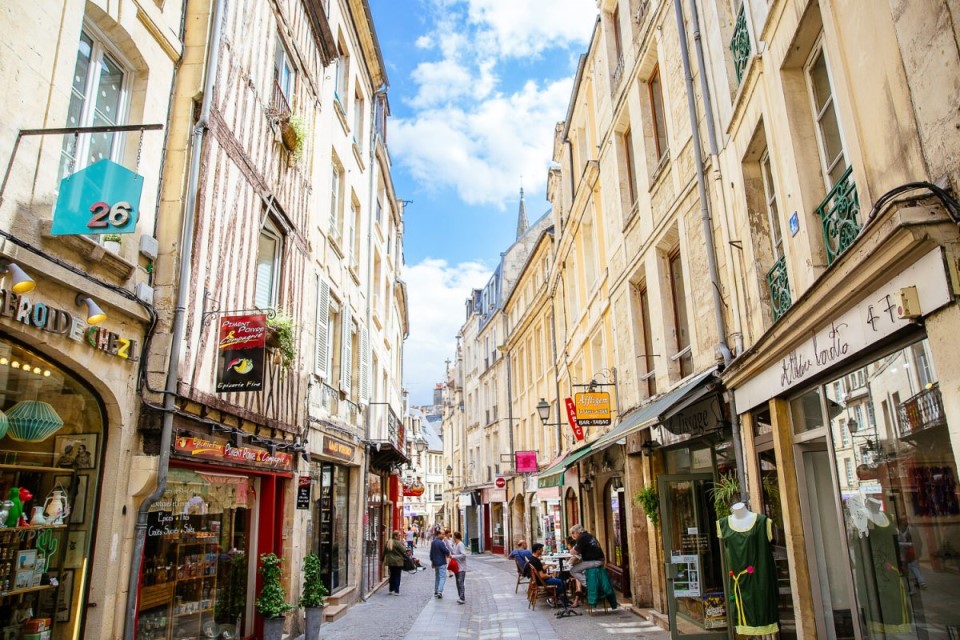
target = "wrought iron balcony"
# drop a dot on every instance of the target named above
(740, 43)
(840, 216)
(779, 284)
(922, 411)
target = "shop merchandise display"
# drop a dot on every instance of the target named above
(752, 584)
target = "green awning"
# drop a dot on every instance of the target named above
(553, 477)
(651, 413)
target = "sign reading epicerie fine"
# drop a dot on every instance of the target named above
(20, 308)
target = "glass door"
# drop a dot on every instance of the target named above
(694, 571)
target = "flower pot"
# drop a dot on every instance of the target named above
(289, 136)
(273, 628)
(314, 616)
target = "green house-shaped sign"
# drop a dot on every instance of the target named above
(103, 198)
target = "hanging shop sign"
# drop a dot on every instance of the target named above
(225, 452)
(873, 319)
(593, 409)
(39, 315)
(698, 418)
(240, 353)
(303, 492)
(526, 462)
(572, 419)
(100, 199)
(413, 488)
(337, 449)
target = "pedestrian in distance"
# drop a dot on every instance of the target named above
(439, 552)
(393, 554)
(459, 555)
(411, 539)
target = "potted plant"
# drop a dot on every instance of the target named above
(649, 502)
(272, 603)
(311, 596)
(282, 328)
(111, 242)
(724, 492)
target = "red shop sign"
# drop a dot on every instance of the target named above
(572, 419)
(225, 452)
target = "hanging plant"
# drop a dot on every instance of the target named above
(293, 131)
(725, 492)
(272, 602)
(648, 500)
(283, 328)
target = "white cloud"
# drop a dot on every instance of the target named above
(528, 27)
(483, 148)
(438, 292)
(424, 42)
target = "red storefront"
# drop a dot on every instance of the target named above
(223, 507)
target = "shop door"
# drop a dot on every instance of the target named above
(694, 571)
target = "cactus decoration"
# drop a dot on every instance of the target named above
(48, 545)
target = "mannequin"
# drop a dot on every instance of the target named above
(752, 584)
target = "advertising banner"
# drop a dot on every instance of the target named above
(226, 452)
(572, 419)
(240, 353)
(593, 409)
(303, 492)
(526, 462)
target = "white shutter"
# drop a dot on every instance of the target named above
(346, 350)
(364, 366)
(323, 328)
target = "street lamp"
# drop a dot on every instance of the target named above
(543, 410)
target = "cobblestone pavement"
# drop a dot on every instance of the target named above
(492, 611)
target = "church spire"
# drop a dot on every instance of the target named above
(522, 223)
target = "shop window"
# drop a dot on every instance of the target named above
(61, 467)
(268, 266)
(199, 559)
(98, 97)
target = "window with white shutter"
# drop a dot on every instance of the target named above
(346, 350)
(364, 366)
(323, 328)
(268, 267)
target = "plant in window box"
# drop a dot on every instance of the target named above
(280, 337)
(649, 502)
(312, 595)
(111, 242)
(272, 603)
(293, 132)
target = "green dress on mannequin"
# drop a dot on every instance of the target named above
(752, 584)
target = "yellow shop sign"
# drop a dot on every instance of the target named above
(593, 408)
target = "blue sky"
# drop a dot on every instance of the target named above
(476, 87)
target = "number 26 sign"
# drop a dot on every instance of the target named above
(102, 198)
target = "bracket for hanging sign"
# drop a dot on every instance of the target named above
(214, 310)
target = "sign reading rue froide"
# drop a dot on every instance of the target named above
(240, 353)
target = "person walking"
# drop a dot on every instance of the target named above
(459, 553)
(439, 552)
(393, 554)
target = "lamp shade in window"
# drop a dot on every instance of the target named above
(33, 421)
(4, 424)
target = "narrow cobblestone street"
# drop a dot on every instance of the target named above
(492, 611)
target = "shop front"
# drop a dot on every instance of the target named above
(52, 441)
(335, 475)
(494, 518)
(384, 508)
(223, 506)
(863, 414)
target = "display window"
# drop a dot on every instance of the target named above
(52, 439)
(198, 574)
(331, 518)
(374, 529)
(884, 477)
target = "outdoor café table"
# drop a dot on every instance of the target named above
(559, 557)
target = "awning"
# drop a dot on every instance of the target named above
(553, 476)
(385, 456)
(649, 414)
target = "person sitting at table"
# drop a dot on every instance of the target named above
(536, 565)
(590, 553)
(521, 555)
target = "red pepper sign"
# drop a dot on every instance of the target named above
(572, 418)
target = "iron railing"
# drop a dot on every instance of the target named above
(330, 399)
(922, 411)
(779, 284)
(617, 76)
(281, 107)
(740, 43)
(840, 216)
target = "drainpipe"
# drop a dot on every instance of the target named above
(708, 233)
(183, 293)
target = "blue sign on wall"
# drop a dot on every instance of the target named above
(794, 224)
(103, 198)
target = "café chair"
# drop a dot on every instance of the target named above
(521, 579)
(538, 589)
